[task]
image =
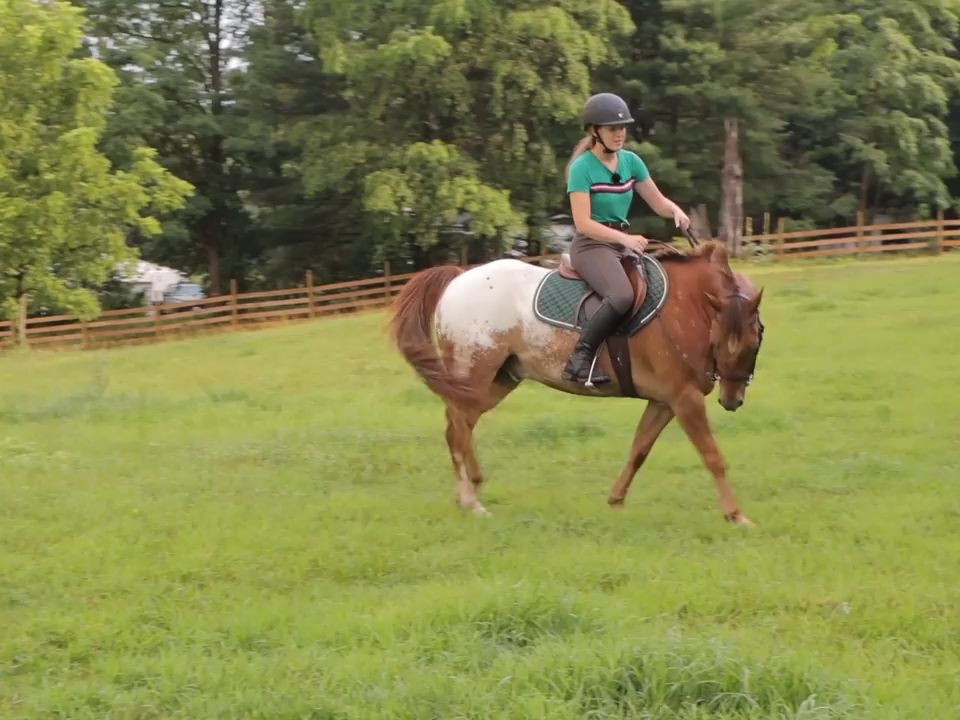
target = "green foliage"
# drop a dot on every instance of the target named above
(832, 97)
(173, 60)
(500, 85)
(896, 70)
(431, 185)
(334, 134)
(279, 93)
(65, 211)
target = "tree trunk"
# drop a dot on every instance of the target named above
(700, 222)
(536, 238)
(877, 197)
(213, 227)
(211, 241)
(864, 190)
(731, 202)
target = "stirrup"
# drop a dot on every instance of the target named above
(593, 364)
(589, 382)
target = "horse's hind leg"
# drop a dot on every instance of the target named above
(655, 418)
(460, 425)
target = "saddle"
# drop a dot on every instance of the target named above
(564, 299)
(631, 266)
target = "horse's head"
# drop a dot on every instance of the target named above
(735, 333)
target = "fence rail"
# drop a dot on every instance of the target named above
(236, 310)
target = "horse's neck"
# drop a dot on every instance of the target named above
(694, 279)
(689, 309)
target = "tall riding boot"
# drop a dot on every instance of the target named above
(603, 322)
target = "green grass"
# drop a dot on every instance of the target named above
(262, 525)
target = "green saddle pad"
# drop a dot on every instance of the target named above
(557, 299)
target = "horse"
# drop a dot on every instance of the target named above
(473, 336)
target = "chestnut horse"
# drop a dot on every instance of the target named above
(473, 336)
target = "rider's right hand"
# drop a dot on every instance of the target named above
(637, 243)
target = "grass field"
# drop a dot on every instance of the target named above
(262, 525)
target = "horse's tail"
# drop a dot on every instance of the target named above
(411, 327)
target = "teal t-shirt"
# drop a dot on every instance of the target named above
(610, 192)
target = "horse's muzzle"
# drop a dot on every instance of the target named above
(732, 404)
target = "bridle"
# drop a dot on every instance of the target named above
(715, 375)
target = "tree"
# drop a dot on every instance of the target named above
(719, 86)
(281, 88)
(898, 69)
(819, 107)
(454, 109)
(64, 210)
(172, 59)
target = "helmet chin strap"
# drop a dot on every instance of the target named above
(596, 136)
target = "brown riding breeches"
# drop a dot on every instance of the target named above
(599, 264)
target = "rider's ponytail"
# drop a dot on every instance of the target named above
(585, 144)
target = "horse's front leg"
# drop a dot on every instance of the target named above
(691, 413)
(655, 418)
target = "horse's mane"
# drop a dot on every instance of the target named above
(666, 252)
(733, 318)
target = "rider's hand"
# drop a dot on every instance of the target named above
(680, 218)
(637, 243)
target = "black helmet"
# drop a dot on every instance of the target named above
(606, 109)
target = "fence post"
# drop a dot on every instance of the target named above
(157, 317)
(938, 246)
(463, 255)
(861, 235)
(310, 310)
(781, 229)
(234, 310)
(84, 332)
(386, 281)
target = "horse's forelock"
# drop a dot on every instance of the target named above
(733, 319)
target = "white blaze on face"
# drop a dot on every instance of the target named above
(485, 303)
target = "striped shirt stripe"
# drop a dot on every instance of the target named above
(611, 188)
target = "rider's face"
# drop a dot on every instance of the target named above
(613, 136)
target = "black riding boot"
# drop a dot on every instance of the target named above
(603, 322)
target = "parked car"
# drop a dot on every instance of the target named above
(183, 292)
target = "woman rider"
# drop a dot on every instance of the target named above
(601, 178)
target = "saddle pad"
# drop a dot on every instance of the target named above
(557, 299)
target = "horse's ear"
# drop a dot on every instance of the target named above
(714, 301)
(720, 256)
(755, 303)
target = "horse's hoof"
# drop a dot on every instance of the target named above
(480, 511)
(738, 518)
(615, 504)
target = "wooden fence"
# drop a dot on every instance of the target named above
(269, 307)
(932, 236)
